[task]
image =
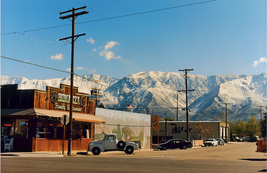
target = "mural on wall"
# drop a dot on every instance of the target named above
(128, 126)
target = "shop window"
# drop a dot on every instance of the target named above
(51, 130)
(7, 128)
(21, 130)
(40, 129)
(86, 131)
(60, 130)
(77, 131)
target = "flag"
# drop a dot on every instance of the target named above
(129, 107)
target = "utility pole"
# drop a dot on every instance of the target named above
(186, 93)
(177, 109)
(261, 110)
(226, 134)
(73, 37)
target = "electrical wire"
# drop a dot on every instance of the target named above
(114, 17)
(38, 40)
(64, 71)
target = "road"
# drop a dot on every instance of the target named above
(235, 157)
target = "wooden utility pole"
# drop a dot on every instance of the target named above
(186, 93)
(177, 109)
(73, 37)
(226, 132)
(261, 110)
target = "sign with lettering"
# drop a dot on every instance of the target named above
(66, 99)
(67, 108)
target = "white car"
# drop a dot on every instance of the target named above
(211, 142)
(110, 143)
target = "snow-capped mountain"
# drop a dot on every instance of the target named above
(156, 92)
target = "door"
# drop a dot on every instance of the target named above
(110, 142)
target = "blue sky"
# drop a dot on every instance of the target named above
(213, 38)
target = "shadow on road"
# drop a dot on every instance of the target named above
(81, 153)
(6, 154)
(264, 170)
(255, 159)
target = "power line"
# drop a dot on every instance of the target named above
(114, 17)
(50, 68)
(37, 40)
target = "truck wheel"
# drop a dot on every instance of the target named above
(96, 151)
(121, 144)
(129, 150)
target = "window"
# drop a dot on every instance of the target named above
(51, 130)
(7, 127)
(86, 130)
(77, 131)
(40, 129)
(21, 130)
(60, 130)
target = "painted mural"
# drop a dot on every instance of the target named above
(128, 126)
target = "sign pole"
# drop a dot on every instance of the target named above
(64, 129)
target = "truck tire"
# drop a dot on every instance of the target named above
(96, 151)
(129, 150)
(121, 144)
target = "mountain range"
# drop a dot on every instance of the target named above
(156, 93)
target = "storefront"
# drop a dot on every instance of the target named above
(198, 130)
(33, 118)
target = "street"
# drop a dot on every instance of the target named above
(233, 157)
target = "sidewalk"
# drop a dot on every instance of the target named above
(31, 154)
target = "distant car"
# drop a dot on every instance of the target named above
(238, 139)
(211, 142)
(220, 141)
(173, 144)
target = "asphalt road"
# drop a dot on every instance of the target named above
(237, 157)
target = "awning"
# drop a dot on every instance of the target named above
(24, 113)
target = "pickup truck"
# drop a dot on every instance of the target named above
(110, 143)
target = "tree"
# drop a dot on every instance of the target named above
(118, 132)
(253, 127)
(170, 119)
(238, 128)
(202, 130)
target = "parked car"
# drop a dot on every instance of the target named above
(238, 139)
(211, 142)
(174, 143)
(220, 141)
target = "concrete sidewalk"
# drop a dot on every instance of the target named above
(31, 154)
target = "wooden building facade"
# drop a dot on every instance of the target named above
(33, 118)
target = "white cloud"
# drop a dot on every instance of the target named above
(26, 60)
(111, 44)
(81, 68)
(109, 54)
(90, 40)
(118, 57)
(58, 56)
(94, 50)
(261, 60)
(68, 69)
